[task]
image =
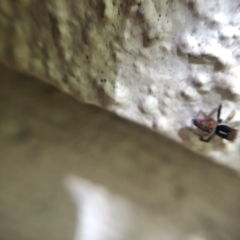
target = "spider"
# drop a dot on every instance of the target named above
(216, 127)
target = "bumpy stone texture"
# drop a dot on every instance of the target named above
(154, 62)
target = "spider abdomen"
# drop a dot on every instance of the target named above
(226, 132)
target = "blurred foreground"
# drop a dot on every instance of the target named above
(130, 183)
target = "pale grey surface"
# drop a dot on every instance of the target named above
(45, 135)
(156, 62)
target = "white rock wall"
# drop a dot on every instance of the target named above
(154, 62)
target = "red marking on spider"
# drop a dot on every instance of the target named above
(216, 127)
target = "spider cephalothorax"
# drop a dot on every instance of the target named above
(216, 127)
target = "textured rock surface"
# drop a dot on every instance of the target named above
(129, 187)
(155, 62)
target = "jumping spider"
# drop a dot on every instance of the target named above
(213, 127)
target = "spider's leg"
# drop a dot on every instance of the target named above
(203, 113)
(231, 116)
(210, 115)
(219, 113)
(234, 124)
(207, 139)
